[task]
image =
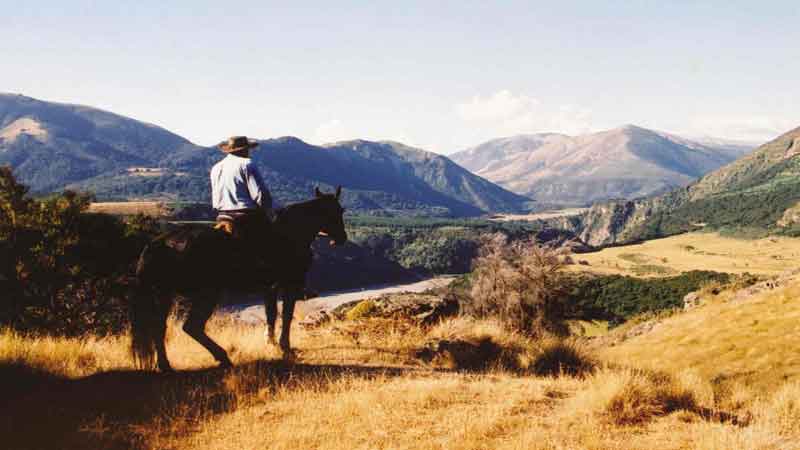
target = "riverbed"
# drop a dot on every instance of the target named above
(251, 309)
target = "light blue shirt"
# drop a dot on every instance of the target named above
(237, 184)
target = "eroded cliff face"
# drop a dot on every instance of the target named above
(605, 223)
(619, 221)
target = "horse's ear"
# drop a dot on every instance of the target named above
(317, 192)
(338, 192)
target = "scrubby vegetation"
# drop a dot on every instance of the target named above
(617, 298)
(522, 283)
(431, 245)
(61, 269)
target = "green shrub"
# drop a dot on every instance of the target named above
(617, 298)
(60, 267)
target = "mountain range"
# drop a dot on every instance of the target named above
(627, 162)
(756, 194)
(52, 146)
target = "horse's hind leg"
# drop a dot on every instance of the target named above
(271, 310)
(200, 310)
(291, 294)
(164, 306)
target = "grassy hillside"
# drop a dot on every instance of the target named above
(359, 385)
(752, 341)
(53, 144)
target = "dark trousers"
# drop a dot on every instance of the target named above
(251, 231)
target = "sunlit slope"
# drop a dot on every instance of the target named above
(626, 162)
(697, 251)
(754, 341)
(757, 193)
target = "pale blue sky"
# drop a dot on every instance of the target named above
(441, 75)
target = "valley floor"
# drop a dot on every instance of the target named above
(697, 251)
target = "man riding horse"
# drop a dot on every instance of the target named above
(241, 198)
(199, 263)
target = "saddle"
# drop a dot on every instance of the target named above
(226, 226)
(231, 222)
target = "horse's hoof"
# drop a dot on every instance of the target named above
(225, 364)
(289, 355)
(166, 369)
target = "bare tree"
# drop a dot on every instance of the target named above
(520, 282)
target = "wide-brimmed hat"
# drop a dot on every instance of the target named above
(237, 143)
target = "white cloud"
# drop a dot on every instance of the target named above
(331, 131)
(746, 128)
(336, 130)
(505, 113)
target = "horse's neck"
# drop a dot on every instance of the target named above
(300, 220)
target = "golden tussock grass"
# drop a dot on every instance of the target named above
(696, 251)
(153, 209)
(755, 342)
(361, 385)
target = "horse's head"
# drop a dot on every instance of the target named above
(332, 216)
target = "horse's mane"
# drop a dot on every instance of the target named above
(284, 212)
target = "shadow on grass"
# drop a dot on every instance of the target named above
(112, 410)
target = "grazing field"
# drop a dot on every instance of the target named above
(697, 251)
(153, 209)
(364, 385)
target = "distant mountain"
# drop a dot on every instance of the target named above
(52, 146)
(759, 192)
(626, 162)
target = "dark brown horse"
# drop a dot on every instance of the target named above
(198, 264)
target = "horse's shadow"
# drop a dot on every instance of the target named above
(39, 410)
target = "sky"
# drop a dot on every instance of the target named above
(440, 75)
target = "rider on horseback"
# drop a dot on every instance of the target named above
(240, 196)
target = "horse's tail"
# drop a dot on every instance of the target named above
(148, 315)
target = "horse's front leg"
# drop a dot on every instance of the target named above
(271, 310)
(291, 294)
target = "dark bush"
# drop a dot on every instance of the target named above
(63, 270)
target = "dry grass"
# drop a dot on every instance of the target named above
(755, 342)
(697, 251)
(152, 209)
(359, 385)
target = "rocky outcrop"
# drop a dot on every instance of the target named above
(791, 216)
(562, 239)
(613, 222)
(423, 309)
(749, 292)
(691, 300)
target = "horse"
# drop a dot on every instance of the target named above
(199, 264)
